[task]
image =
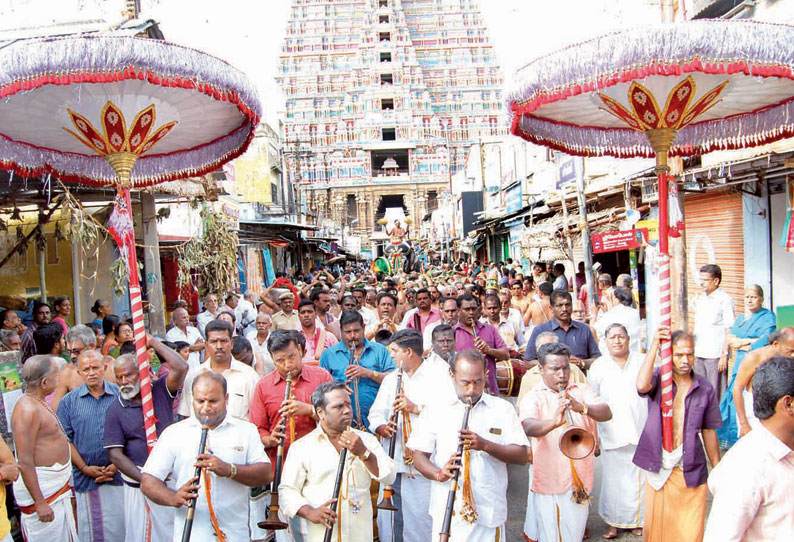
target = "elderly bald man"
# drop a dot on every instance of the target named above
(183, 331)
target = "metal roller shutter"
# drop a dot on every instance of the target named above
(714, 234)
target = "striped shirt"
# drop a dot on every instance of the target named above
(83, 418)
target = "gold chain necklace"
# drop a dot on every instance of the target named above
(49, 409)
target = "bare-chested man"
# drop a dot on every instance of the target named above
(519, 301)
(539, 312)
(781, 343)
(43, 492)
(397, 233)
(78, 340)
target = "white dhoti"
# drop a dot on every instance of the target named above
(558, 518)
(257, 511)
(51, 480)
(144, 520)
(620, 503)
(100, 514)
(530, 523)
(411, 522)
(460, 531)
(749, 412)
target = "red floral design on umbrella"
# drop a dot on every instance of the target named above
(212, 111)
(601, 98)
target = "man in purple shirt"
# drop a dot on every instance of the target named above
(487, 341)
(676, 490)
(125, 439)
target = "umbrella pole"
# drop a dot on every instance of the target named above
(661, 139)
(122, 163)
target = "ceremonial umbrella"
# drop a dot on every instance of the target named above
(65, 109)
(666, 90)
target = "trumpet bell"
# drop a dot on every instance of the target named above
(387, 504)
(272, 524)
(576, 443)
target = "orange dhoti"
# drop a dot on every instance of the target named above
(675, 513)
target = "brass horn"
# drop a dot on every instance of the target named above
(575, 442)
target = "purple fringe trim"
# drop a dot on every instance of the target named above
(32, 58)
(749, 41)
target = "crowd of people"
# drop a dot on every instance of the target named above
(333, 391)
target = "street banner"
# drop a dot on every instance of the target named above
(619, 240)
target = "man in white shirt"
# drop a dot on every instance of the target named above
(492, 439)
(510, 312)
(753, 485)
(307, 480)
(210, 312)
(622, 313)
(714, 316)
(369, 316)
(234, 460)
(560, 281)
(258, 337)
(421, 383)
(245, 312)
(183, 331)
(613, 377)
(241, 378)
(443, 344)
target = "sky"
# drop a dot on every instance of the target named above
(248, 33)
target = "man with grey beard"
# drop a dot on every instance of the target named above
(125, 439)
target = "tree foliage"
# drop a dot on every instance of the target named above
(210, 261)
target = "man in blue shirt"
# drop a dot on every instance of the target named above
(100, 497)
(575, 335)
(364, 375)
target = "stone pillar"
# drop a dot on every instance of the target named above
(339, 208)
(151, 266)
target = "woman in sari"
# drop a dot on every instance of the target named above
(750, 331)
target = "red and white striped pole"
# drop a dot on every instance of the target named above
(666, 371)
(121, 227)
(661, 139)
(139, 335)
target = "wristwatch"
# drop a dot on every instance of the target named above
(233, 474)
(365, 455)
(584, 409)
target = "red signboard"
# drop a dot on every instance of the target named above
(619, 240)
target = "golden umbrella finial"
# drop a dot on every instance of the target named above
(119, 146)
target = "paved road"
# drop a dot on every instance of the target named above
(517, 505)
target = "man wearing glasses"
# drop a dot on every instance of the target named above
(78, 340)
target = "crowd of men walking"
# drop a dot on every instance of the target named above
(351, 389)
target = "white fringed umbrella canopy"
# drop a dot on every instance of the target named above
(61, 96)
(719, 84)
(671, 89)
(124, 112)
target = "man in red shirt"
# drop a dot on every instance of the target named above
(268, 407)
